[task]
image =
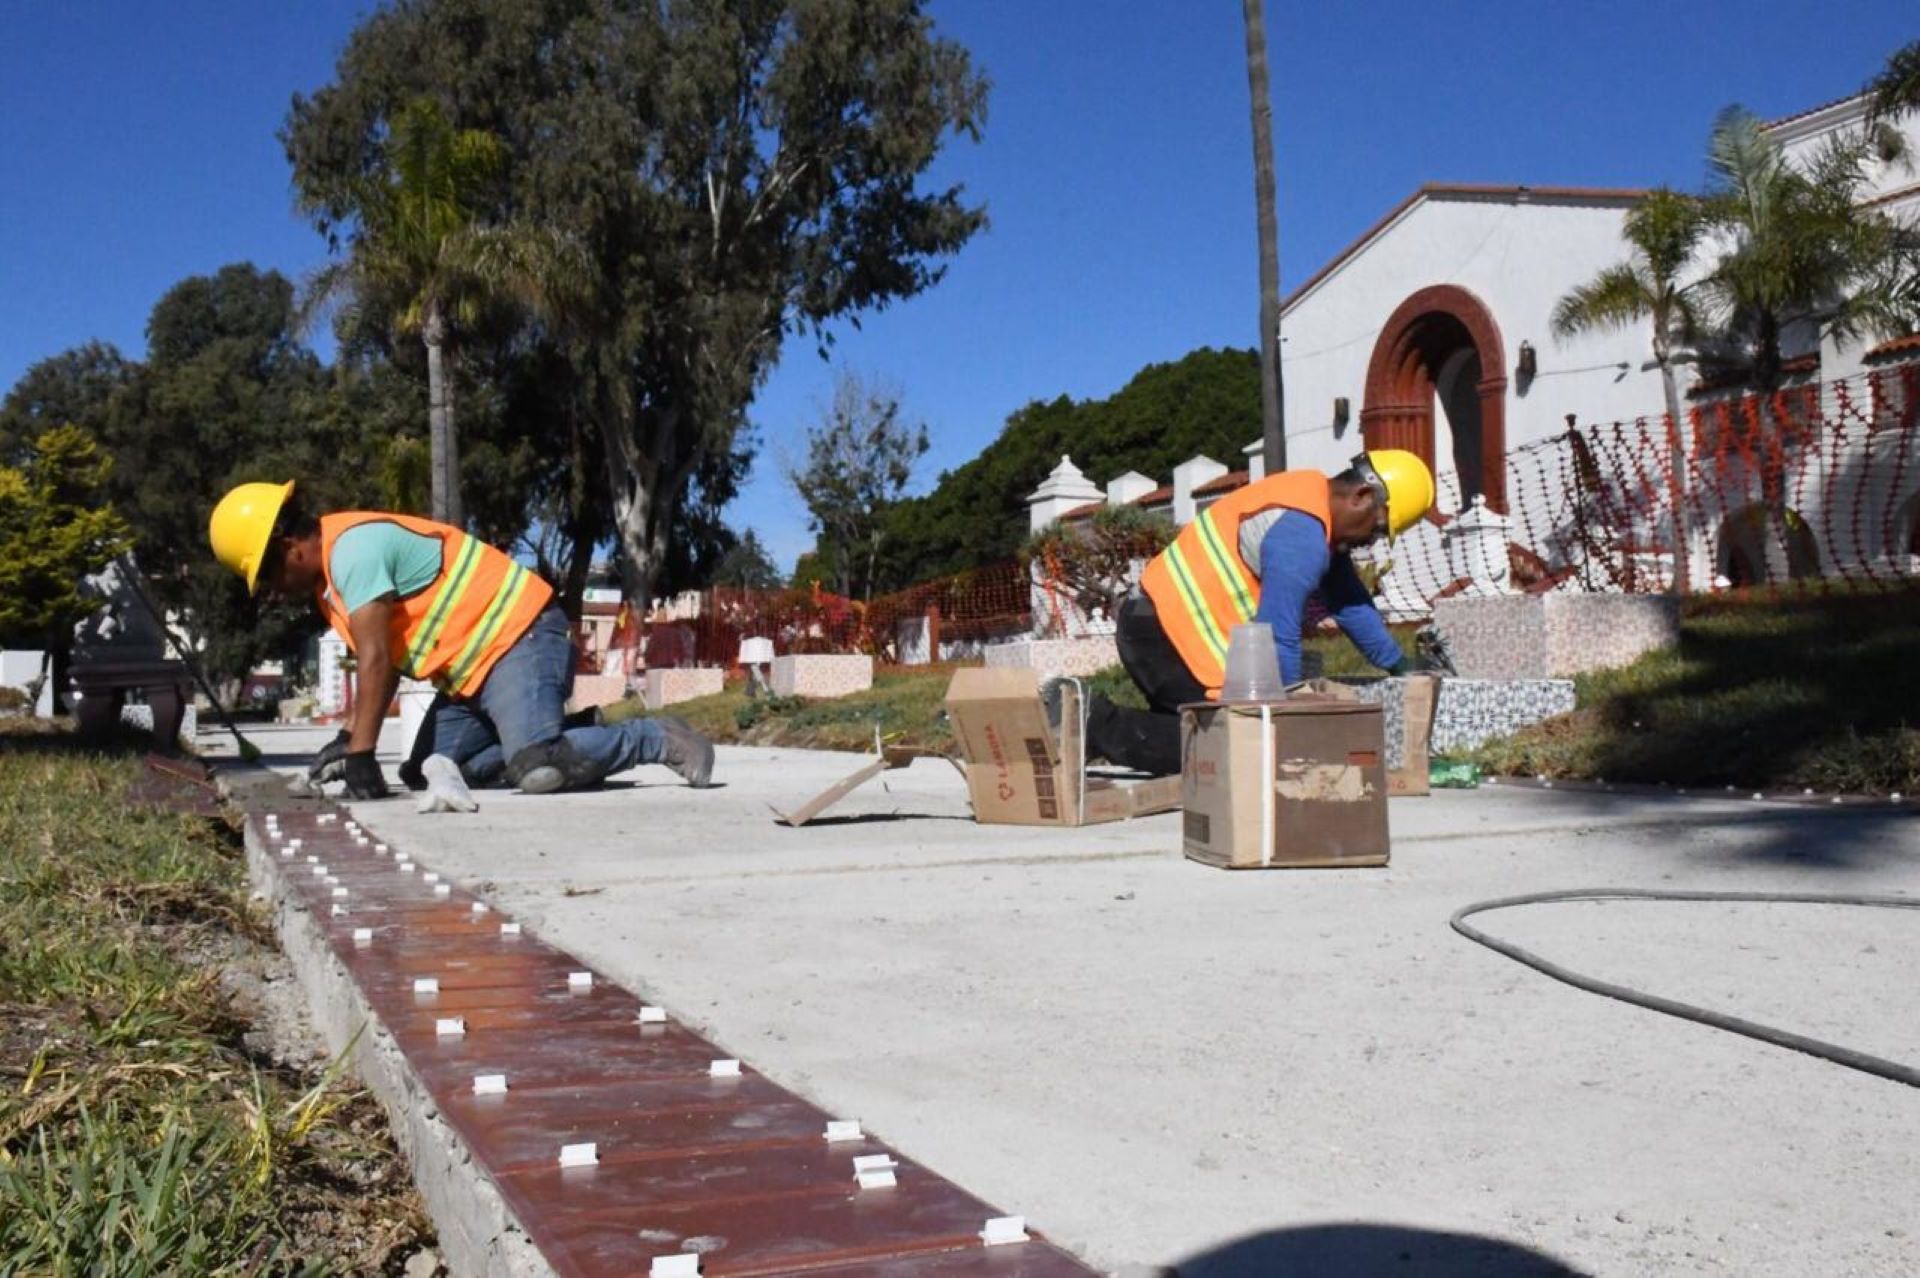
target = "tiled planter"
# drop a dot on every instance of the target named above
(597, 690)
(821, 675)
(1555, 635)
(666, 687)
(1078, 657)
(1471, 712)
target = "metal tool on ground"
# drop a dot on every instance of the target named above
(248, 751)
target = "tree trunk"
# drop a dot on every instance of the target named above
(573, 590)
(1273, 411)
(446, 460)
(1677, 477)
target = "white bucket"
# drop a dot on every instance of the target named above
(415, 698)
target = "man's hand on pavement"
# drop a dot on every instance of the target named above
(330, 763)
(363, 776)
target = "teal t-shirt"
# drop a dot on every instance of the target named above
(378, 558)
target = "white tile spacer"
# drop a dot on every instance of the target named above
(650, 1015)
(286, 854)
(443, 889)
(403, 865)
(318, 870)
(684, 1265)
(363, 936)
(1758, 795)
(489, 1084)
(585, 1154)
(328, 818)
(338, 910)
(450, 1026)
(579, 980)
(844, 1129)
(426, 985)
(340, 893)
(1004, 1229)
(480, 907)
(380, 849)
(509, 929)
(874, 1171)
(724, 1069)
(293, 845)
(430, 877)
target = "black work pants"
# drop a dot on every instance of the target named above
(1144, 740)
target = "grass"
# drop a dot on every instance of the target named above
(140, 1133)
(1815, 691)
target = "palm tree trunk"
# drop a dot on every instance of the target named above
(1273, 412)
(445, 463)
(1677, 479)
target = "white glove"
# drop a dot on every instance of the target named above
(446, 789)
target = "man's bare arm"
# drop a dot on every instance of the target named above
(370, 625)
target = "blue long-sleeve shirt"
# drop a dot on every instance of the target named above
(1295, 564)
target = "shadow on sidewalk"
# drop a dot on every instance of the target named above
(1366, 1250)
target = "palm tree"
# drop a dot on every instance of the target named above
(1896, 90)
(1801, 249)
(424, 259)
(1273, 408)
(1802, 254)
(1663, 229)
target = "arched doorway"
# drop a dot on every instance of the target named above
(1442, 343)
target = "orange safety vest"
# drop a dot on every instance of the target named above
(1201, 587)
(454, 631)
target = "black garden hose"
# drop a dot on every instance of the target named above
(1834, 1052)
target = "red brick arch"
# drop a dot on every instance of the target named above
(1423, 332)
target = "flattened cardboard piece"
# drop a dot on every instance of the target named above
(1305, 787)
(1020, 773)
(1417, 705)
(887, 760)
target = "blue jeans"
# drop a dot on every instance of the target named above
(521, 704)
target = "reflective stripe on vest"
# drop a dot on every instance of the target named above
(454, 631)
(1200, 586)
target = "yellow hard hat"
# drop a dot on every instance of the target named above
(242, 525)
(1403, 481)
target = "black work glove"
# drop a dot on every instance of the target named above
(363, 777)
(332, 758)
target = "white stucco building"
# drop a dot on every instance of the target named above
(1432, 331)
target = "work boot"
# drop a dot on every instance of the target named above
(1052, 700)
(412, 776)
(546, 766)
(686, 751)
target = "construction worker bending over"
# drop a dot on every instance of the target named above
(425, 600)
(1255, 555)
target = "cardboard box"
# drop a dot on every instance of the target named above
(1284, 784)
(1019, 773)
(1408, 703)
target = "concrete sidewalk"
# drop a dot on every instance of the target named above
(1163, 1064)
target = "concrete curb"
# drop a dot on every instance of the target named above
(479, 1235)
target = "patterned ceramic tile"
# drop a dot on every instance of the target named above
(821, 676)
(1553, 636)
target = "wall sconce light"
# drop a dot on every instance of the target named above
(1341, 412)
(1527, 367)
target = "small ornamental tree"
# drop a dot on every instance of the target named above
(55, 530)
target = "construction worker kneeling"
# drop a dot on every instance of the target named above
(1256, 555)
(425, 600)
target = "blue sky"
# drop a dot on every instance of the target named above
(137, 147)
